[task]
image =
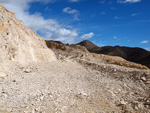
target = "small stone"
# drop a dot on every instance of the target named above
(147, 106)
(27, 71)
(5, 95)
(42, 98)
(147, 82)
(9, 109)
(2, 74)
(136, 108)
(123, 102)
(143, 78)
(140, 106)
(14, 80)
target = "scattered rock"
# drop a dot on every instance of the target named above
(2, 74)
(42, 98)
(14, 80)
(9, 109)
(123, 102)
(28, 70)
(143, 79)
(140, 105)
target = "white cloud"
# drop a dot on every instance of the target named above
(102, 13)
(47, 28)
(113, 8)
(115, 37)
(87, 36)
(73, 0)
(136, 14)
(145, 42)
(64, 35)
(70, 11)
(73, 12)
(118, 17)
(128, 1)
(102, 1)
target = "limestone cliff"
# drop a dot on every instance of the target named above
(20, 44)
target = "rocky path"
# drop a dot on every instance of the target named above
(69, 87)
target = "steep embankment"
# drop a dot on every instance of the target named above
(19, 43)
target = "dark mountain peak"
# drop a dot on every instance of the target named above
(86, 42)
(89, 45)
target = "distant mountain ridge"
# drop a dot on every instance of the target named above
(137, 55)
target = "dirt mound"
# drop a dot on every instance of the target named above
(19, 43)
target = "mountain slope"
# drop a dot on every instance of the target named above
(89, 45)
(137, 55)
(78, 51)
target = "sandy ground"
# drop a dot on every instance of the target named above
(71, 87)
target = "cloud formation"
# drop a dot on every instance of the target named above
(115, 37)
(118, 17)
(128, 1)
(136, 14)
(73, 12)
(102, 1)
(87, 36)
(47, 28)
(73, 0)
(145, 42)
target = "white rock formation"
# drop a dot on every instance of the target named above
(20, 44)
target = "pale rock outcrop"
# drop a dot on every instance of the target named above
(20, 44)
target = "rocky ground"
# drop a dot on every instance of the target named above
(33, 80)
(74, 86)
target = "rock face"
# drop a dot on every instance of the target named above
(20, 44)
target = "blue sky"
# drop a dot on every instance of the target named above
(104, 22)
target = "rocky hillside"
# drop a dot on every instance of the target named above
(77, 51)
(19, 43)
(76, 82)
(89, 45)
(137, 55)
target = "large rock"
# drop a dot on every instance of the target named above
(20, 44)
